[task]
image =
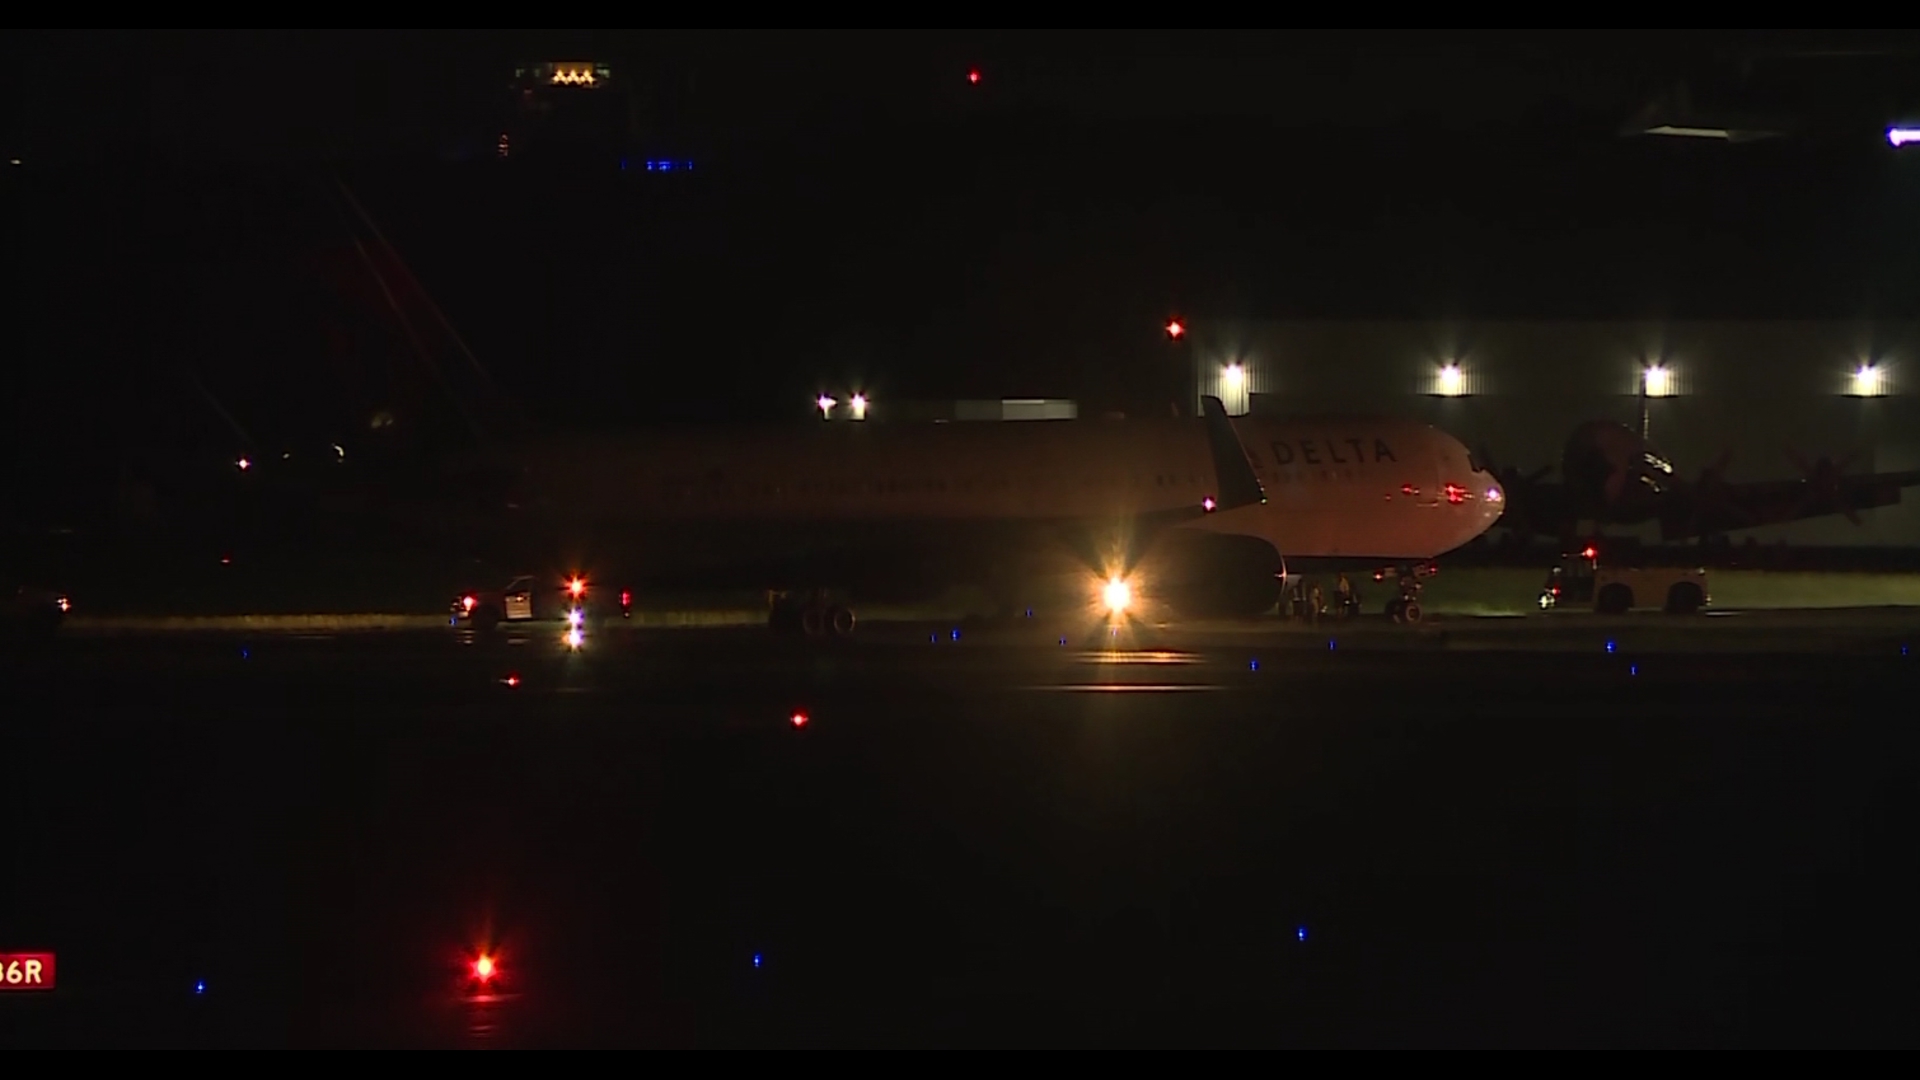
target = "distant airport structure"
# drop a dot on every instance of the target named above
(1763, 390)
(591, 112)
(857, 407)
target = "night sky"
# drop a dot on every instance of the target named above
(860, 212)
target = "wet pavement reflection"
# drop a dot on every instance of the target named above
(392, 840)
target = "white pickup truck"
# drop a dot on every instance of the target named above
(528, 599)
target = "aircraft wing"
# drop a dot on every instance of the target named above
(1698, 510)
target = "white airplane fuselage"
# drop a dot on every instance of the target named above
(1336, 488)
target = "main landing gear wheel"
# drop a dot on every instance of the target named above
(840, 621)
(812, 618)
(813, 621)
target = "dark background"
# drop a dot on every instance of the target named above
(861, 213)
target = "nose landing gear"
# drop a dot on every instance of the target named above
(1404, 606)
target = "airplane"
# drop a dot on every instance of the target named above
(1204, 516)
(1610, 475)
(1201, 513)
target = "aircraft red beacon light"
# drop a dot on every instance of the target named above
(973, 75)
(577, 587)
(467, 602)
(484, 969)
(1175, 329)
(1456, 494)
(799, 718)
(1207, 504)
(1589, 552)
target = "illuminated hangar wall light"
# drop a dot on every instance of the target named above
(1449, 381)
(1657, 380)
(1869, 380)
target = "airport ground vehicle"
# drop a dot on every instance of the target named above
(816, 613)
(528, 599)
(33, 614)
(1580, 581)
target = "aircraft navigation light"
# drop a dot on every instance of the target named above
(466, 602)
(1234, 378)
(1117, 595)
(244, 464)
(799, 719)
(1657, 381)
(1493, 494)
(1207, 504)
(484, 968)
(1898, 136)
(575, 618)
(1174, 329)
(575, 638)
(973, 76)
(1450, 382)
(1869, 381)
(577, 587)
(859, 406)
(825, 404)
